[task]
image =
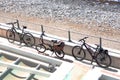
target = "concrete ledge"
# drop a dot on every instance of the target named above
(59, 74)
(26, 53)
(68, 47)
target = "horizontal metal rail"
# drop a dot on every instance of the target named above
(69, 32)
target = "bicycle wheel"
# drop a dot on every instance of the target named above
(40, 48)
(10, 35)
(60, 54)
(28, 39)
(103, 60)
(78, 53)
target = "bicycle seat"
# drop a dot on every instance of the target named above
(24, 27)
(54, 41)
(9, 23)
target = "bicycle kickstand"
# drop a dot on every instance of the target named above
(52, 54)
(92, 61)
(93, 65)
(20, 41)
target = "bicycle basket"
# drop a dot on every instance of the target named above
(62, 44)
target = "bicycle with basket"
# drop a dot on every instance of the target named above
(56, 47)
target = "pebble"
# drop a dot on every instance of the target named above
(77, 11)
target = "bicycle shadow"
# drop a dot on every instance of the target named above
(95, 65)
(64, 59)
(111, 69)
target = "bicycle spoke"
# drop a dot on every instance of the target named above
(59, 54)
(78, 53)
(28, 39)
(41, 48)
(10, 35)
(103, 60)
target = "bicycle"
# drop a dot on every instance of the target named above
(98, 54)
(24, 37)
(57, 49)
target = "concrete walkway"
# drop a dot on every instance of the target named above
(81, 70)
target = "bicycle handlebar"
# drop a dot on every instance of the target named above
(97, 45)
(83, 39)
(11, 23)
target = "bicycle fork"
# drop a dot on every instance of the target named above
(93, 58)
(51, 49)
(21, 38)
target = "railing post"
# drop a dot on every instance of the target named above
(100, 42)
(69, 37)
(42, 30)
(18, 24)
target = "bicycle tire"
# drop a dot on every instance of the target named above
(40, 48)
(78, 53)
(10, 35)
(103, 60)
(60, 54)
(28, 39)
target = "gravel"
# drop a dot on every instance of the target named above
(90, 12)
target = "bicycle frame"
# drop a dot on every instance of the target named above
(52, 46)
(55, 48)
(90, 51)
(42, 41)
(21, 35)
(89, 48)
(98, 54)
(16, 32)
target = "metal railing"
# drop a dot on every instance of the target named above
(68, 35)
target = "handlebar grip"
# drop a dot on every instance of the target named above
(97, 45)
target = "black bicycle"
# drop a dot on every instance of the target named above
(98, 54)
(55, 48)
(15, 34)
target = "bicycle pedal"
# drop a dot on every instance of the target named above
(47, 48)
(46, 54)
